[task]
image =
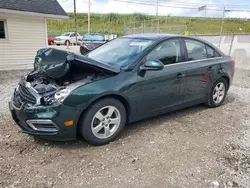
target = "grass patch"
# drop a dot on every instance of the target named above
(114, 23)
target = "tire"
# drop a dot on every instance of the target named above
(95, 123)
(67, 41)
(216, 98)
(51, 43)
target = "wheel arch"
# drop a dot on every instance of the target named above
(118, 97)
(227, 79)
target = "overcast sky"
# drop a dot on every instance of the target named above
(107, 6)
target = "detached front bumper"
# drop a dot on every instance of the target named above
(47, 121)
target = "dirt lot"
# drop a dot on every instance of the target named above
(195, 147)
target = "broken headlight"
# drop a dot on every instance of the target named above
(62, 94)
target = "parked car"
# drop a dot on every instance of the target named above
(51, 40)
(125, 80)
(69, 37)
(91, 41)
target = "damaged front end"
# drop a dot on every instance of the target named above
(37, 102)
(56, 73)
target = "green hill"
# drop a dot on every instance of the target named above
(114, 23)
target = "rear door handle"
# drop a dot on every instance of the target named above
(180, 75)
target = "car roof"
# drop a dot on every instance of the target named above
(160, 36)
(151, 36)
(163, 36)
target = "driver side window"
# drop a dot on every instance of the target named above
(168, 52)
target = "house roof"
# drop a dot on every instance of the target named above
(46, 7)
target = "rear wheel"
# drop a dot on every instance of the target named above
(218, 93)
(103, 121)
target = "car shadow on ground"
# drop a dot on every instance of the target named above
(133, 128)
(129, 130)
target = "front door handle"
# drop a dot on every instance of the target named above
(180, 75)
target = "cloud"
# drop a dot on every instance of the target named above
(165, 8)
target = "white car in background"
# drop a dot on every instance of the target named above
(69, 37)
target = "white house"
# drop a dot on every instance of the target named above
(23, 30)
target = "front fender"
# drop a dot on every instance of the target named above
(83, 96)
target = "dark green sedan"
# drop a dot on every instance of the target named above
(125, 80)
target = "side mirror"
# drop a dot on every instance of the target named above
(152, 65)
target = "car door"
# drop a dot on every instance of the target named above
(200, 65)
(162, 89)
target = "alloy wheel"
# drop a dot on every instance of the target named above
(219, 92)
(105, 122)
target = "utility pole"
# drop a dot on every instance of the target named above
(222, 24)
(75, 21)
(89, 18)
(157, 16)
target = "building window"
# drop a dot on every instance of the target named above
(3, 34)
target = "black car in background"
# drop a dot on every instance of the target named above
(91, 41)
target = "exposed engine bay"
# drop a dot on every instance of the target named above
(56, 73)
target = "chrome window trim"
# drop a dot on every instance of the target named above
(193, 61)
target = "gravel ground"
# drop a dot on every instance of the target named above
(194, 147)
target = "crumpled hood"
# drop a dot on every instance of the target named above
(56, 63)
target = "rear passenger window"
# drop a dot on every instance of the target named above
(197, 50)
(211, 53)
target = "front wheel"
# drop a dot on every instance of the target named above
(103, 121)
(218, 93)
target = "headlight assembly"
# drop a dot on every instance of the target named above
(62, 94)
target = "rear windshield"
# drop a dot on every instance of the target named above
(93, 37)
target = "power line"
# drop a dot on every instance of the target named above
(186, 6)
(208, 4)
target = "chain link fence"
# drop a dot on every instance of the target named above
(235, 45)
(152, 26)
(58, 27)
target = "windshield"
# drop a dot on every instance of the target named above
(93, 37)
(119, 51)
(66, 34)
